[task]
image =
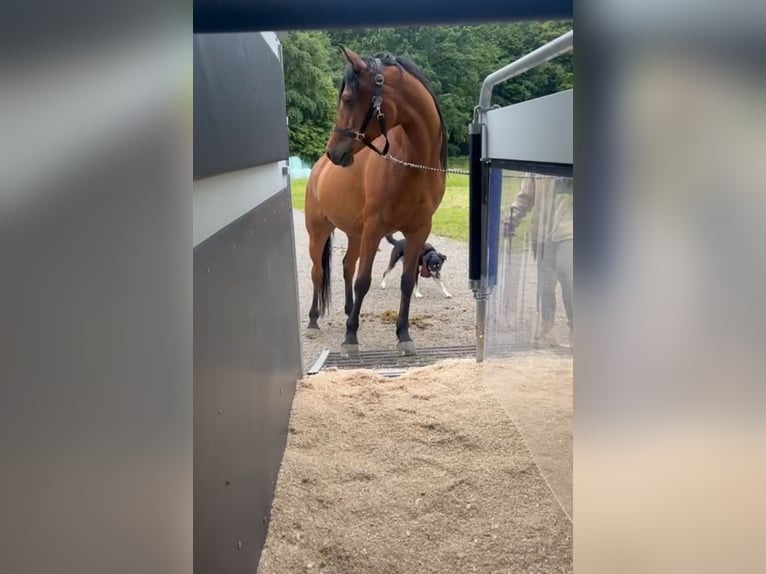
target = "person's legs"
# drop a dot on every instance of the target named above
(546, 289)
(565, 274)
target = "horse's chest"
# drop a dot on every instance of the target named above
(405, 213)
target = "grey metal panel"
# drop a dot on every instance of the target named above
(539, 130)
(240, 118)
(96, 364)
(246, 361)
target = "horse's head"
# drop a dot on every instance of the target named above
(363, 110)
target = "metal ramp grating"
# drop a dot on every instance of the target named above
(388, 361)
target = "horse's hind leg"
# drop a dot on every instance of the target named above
(349, 267)
(320, 251)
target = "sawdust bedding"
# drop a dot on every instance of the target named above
(423, 474)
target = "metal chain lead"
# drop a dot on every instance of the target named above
(389, 157)
(396, 160)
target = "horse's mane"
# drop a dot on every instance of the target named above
(402, 63)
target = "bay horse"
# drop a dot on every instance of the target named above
(384, 171)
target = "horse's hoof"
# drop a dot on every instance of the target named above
(406, 348)
(349, 350)
(312, 332)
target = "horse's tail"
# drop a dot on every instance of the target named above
(325, 293)
(390, 239)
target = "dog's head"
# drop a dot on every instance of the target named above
(434, 261)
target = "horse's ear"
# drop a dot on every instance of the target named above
(354, 59)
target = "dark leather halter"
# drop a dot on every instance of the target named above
(375, 108)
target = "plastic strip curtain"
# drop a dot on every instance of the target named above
(528, 362)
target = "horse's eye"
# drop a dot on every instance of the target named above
(346, 100)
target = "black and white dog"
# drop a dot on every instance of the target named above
(429, 264)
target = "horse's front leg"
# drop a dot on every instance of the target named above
(412, 249)
(349, 267)
(367, 250)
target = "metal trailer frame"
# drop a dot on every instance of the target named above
(548, 156)
(247, 343)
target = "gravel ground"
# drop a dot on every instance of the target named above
(435, 320)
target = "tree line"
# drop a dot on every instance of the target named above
(455, 60)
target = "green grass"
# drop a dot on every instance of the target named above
(450, 220)
(298, 193)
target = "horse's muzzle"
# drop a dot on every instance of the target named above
(343, 159)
